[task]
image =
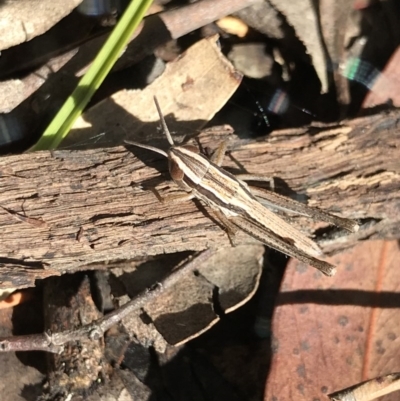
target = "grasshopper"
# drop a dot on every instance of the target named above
(237, 206)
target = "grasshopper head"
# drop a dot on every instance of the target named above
(187, 164)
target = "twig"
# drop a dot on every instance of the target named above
(54, 342)
(184, 20)
(369, 390)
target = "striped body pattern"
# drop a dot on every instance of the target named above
(239, 206)
(222, 191)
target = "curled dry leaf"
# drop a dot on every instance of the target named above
(222, 283)
(304, 18)
(330, 334)
(192, 89)
(23, 20)
(334, 20)
(263, 17)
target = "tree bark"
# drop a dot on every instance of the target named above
(66, 211)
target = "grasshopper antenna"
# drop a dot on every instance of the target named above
(163, 123)
(166, 132)
(152, 148)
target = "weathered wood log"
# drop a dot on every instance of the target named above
(65, 211)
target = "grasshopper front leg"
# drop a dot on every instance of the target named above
(218, 158)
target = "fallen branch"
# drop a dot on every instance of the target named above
(97, 205)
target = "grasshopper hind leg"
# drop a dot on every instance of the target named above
(272, 240)
(259, 178)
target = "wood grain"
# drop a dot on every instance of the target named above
(96, 206)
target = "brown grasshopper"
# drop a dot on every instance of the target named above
(238, 206)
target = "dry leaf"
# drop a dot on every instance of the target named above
(263, 17)
(226, 280)
(236, 273)
(304, 18)
(331, 334)
(23, 20)
(334, 17)
(191, 89)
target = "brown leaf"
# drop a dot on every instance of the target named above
(236, 273)
(333, 333)
(263, 17)
(334, 18)
(25, 19)
(226, 280)
(304, 18)
(16, 298)
(191, 89)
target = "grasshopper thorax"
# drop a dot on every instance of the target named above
(187, 164)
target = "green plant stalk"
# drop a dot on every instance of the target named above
(73, 107)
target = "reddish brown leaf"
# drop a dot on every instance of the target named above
(330, 333)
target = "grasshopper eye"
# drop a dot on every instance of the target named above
(176, 172)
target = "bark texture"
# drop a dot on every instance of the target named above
(66, 211)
